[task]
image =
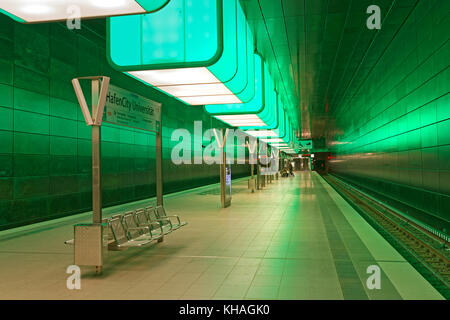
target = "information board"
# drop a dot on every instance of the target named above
(228, 184)
(305, 145)
(128, 109)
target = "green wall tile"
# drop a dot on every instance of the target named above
(28, 143)
(6, 72)
(31, 165)
(6, 141)
(63, 127)
(60, 146)
(31, 122)
(63, 108)
(6, 119)
(31, 101)
(6, 96)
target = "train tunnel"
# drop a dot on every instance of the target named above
(225, 149)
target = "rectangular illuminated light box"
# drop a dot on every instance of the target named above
(279, 144)
(200, 52)
(280, 129)
(262, 109)
(272, 140)
(33, 11)
(261, 133)
(279, 133)
(242, 120)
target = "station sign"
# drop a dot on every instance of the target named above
(228, 180)
(305, 144)
(128, 109)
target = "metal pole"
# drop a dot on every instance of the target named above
(96, 169)
(222, 172)
(159, 179)
(258, 168)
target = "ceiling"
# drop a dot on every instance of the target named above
(319, 50)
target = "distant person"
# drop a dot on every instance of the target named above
(291, 169)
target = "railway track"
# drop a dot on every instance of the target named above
(426, 251)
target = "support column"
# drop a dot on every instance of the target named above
(222, 174)
(159, 177)
(96, 155)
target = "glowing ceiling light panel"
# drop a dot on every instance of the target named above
(262, 109)
(279, 144)
(272, 140)
(200, 52)
(261, 133)
(279, 133)
(33, 11)
(241, 120)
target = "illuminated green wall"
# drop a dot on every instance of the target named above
(45, 162)
(395, 122)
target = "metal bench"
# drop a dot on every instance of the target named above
(161, 212)
(135, 231)
(124, 238)
(139, 228)
(144, 217)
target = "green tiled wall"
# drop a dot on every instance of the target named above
(45, 147)
(396, 118)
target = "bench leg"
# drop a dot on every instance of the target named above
(161, 239)
(98, 269)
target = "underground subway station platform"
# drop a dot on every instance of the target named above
(263, 151)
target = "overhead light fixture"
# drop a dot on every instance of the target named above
(272, 140)
(32, 11)
(279, 136)
(261, 108)
(279, 144)
(241, 120)
(200, 52)
(261, 133)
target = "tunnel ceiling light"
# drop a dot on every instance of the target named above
(279, 144)
(279, 136)
(32, 11)
(272, 140)
(262, 133)
(241, 120)
(200, 52)
(262, 107)
(279, 131)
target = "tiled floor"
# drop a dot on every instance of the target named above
(296, 239)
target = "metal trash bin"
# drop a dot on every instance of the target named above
(90, 244)
(252, 184)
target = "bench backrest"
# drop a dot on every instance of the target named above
(118, 230)
(129, 221)
(110, 235)
(151, 214)
(141, 217)
(161, 212)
